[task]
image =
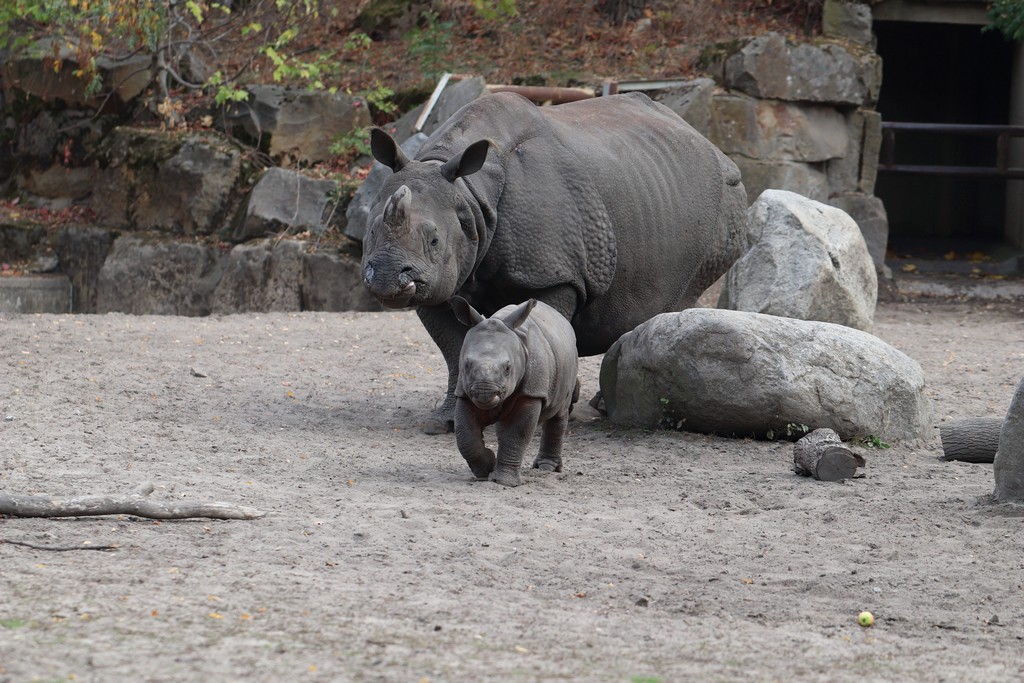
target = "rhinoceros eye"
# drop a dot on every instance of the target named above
(508, 369)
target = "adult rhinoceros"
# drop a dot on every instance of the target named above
(611, 210)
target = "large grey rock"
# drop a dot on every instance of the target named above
(182, 183)
(57, 187)
(771, 67)
(32, 72)
(334, 282)
(359, 207)
(142, 276)
(738, 373)
(285, 200)
(295, 125)
(804, 260)
(780, 131)
(261, 276)
(693, 102)
(1009, 460)
(869, 214)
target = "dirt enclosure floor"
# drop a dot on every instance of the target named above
(654, 558)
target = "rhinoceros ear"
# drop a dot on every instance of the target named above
(386, 150)
(520, 314)
(466, 314)
(466, 162)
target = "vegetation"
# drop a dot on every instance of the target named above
(1007, 16)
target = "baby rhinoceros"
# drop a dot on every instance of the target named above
(517, 369)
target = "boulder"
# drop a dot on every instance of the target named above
(35, 294)
(334, 282)
(56, 187)
(184, 183)
(771, 67)
(143, 276)
(261, 276)
(295, 125)
(285, 200)
(804, 260)
(1009, 460)
(743, 374)
(359, 208)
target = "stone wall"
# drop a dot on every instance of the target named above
(798, 117)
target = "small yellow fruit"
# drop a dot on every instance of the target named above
(866, 619)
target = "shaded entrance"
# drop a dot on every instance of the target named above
(943, 73)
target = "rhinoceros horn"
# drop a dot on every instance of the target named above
(396, 211)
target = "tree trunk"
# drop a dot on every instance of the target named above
(1009, 460)
(619, 11)
(971, 440)
(822, 455)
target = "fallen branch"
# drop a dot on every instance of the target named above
(59, 548)
(136, 504)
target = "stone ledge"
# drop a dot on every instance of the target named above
(35, 294)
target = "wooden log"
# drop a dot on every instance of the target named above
(971, 440)
(822, 455)
(134, 504)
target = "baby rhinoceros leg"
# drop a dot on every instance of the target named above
(515, 429)
(549, 459)
(469, 437)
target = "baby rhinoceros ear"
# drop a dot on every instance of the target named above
(518, 316)
(464, 313)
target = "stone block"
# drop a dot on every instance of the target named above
(183, 183)
(35, 294)
(334, 282)
(848, 19)
(806, 179)
(261, 276)
(777, 131)
(771, 67)
(285, 200)
(693, 102)
(295, 125)
(82, 252)
(857, 168)
(869, 214)
(144, 276)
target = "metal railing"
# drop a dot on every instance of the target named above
(1002, 135)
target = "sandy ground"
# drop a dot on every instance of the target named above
(654, 557)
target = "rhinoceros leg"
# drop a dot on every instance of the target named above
(448, 333)
(469, 436)
(514, 433)
(549, 459)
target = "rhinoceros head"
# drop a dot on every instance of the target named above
(415, 246)
(493, 359)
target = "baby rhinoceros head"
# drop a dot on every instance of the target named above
(493, 359)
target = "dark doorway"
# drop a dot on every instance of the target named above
(943, 73)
